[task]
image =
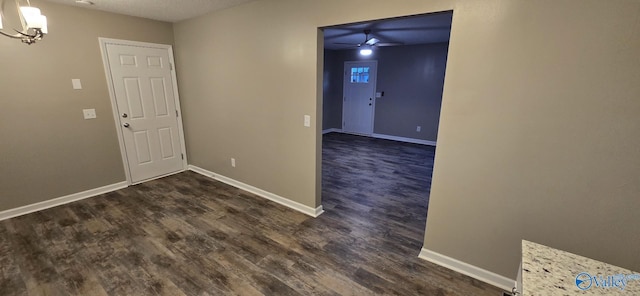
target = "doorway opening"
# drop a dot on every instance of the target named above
(380, 127)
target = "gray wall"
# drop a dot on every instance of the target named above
(332, 89)
(47, 149)
(539, 127)
(412, 78)
(538, 135)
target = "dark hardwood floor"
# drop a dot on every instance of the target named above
(189, 235)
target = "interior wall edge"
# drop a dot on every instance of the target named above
(473, 271)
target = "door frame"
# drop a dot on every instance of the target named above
(375, 88)
(114, 106)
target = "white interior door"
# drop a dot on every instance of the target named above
(359, 96)
(146, 105)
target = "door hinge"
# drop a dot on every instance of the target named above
(171, 66)
(177, 113)
(182, 155)
(344, 99)
(343, 124)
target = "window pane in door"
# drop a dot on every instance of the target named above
(360, 75)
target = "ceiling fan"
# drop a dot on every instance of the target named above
(371, 41)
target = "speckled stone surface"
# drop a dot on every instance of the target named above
(548, 271)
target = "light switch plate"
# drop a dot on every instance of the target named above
(76, 83)
(307, 120)
(89, 113)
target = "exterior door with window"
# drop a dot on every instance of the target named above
(359, 97)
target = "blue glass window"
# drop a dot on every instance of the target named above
(360, 75)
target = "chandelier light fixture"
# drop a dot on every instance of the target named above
(34, 24)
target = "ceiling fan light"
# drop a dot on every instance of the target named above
(366, 51)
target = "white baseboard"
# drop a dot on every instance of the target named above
(385, 137)
(262, 193)
(331, 130)
(60, 200)
(403, 139)
(468, 269)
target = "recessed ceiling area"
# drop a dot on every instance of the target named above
(411, 30)
(161, 10)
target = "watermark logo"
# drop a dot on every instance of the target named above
(586, 281)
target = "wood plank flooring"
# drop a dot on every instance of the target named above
(189, 235)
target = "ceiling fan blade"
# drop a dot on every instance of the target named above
(372, 41)
(335, 34)
(389, 43)
(345, 45)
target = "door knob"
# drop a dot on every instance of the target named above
(124, 115)
(126, 124)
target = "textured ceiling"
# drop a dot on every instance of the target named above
(162, 10)
(421, 29)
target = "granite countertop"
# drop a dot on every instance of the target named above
(548, 271)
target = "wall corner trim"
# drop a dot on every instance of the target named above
(467, 269)
(43, 205)
(262, 193)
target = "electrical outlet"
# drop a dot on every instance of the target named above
(418, 128)
(233, 162)
(307, 121)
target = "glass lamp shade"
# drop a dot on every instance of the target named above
(43, 21)
(32, 17)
